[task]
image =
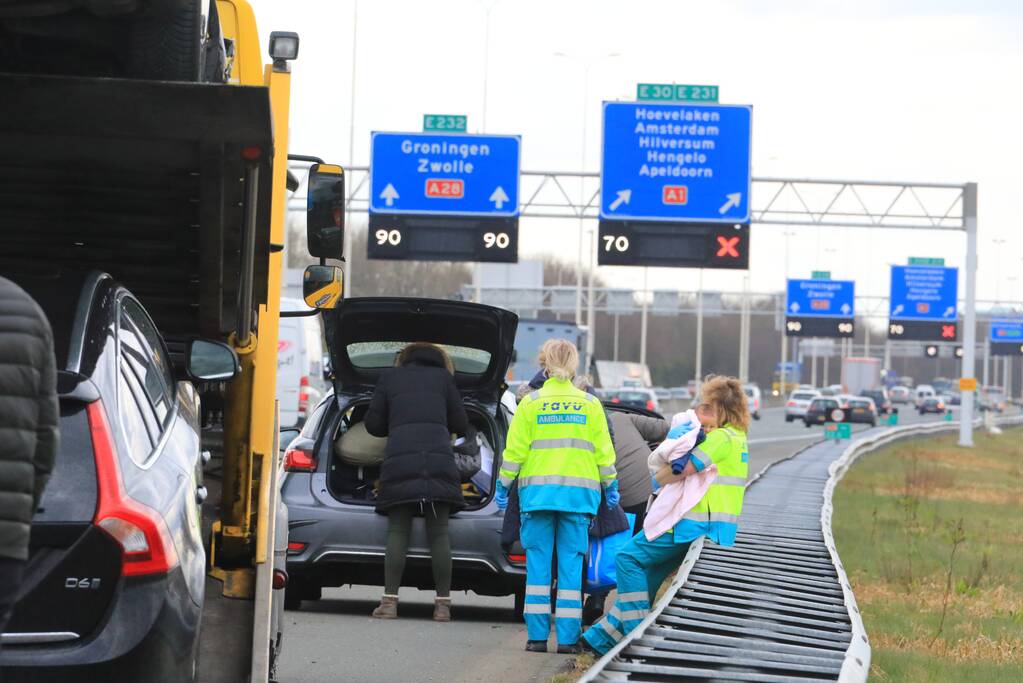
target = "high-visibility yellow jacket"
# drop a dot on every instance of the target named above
(560, 449)
(717, 514)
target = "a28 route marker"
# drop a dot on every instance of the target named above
(675, 182)
(820, 308)
(444, 196)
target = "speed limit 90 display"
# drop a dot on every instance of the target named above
(443, 238)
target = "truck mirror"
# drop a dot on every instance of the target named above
(325, 211)
(322, 286)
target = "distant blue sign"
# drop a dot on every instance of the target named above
(923, 293)
(821, 298)
(676, 162)
(428, 173)
(1007, 330)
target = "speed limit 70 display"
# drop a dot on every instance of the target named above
(679, 245)
(442, 238)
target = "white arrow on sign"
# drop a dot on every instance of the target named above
(794, 307)
(498, 197)
(846, 308)
(898, 309)
(389, 194)
(949, 312)
(623, 198)
(733, 200)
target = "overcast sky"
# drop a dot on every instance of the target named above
(924, 91)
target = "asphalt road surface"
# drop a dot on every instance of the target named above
(335, 639)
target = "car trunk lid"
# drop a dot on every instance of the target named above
(364, 334)
(74, 568)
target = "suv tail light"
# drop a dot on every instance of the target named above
(791, 404)
(300, 457)
(650, 405)
(303, 396)
(146, 542)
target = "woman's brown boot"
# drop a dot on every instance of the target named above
(388, 608)
(442, 609)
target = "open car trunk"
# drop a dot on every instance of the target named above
(354, 483)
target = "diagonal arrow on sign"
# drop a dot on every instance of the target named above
(624, 196)
(898, 309)
(498, 197)
(949, 312)
(733, 200)
(389, 194)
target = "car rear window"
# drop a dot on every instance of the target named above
(802, 397)
(70, 494)
(859, 404)
(381, 354)
(630, 396)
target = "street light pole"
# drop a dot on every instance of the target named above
(347, 239)
(970, 315)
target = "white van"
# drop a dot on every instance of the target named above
(300, 383)
(922, 392)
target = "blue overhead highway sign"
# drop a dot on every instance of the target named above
(1007, 330)
(821, 298)
(430, 174)
(923, 293)
(676, 162)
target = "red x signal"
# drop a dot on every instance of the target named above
(948, 331)
(728, 246)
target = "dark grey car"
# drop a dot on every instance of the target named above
(336, 535)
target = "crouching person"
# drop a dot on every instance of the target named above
(644, 563)
(560, 450)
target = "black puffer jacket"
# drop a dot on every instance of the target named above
(417, 407)
(28, 415)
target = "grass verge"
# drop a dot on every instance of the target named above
(931, 536)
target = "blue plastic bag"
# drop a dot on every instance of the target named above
(600, 560)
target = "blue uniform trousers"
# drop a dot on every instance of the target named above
(641, 567)
(542, 532)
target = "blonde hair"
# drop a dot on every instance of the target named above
(559, 358)
(727, 399)
(410, 350)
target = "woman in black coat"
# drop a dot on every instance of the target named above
(417, 407)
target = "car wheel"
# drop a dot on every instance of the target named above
(520, 603)
(756, 416)
(807, 423)
(788, 418)
(165, 45)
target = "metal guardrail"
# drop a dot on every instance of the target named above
(776, 607)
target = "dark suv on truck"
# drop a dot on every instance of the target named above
(115, 580)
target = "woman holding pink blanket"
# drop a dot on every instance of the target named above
(644, 563)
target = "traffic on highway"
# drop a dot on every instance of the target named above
(403, 342)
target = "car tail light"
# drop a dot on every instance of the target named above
(146, 543)
(756, 404)
(303, 396)
(791, 404)
(516, 559)
(616, 400)
(300, 457)
(940, 405)
(650, 405)
(296, 547)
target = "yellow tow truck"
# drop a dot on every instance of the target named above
(182, 159)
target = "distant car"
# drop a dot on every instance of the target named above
(823, 409)
(931, 404)
(799, 401)
(900, 394)
(753, 399)
(992, 398)
(662, 394)
(953, 398)
(300, 383)
(861, 409)
(681, 394)
(881, 401)
(829, 391)
(644, 399)
(922, 392)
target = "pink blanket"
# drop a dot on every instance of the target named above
(677, 498)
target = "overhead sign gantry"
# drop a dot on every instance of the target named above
(675, 185)
(449, 197)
